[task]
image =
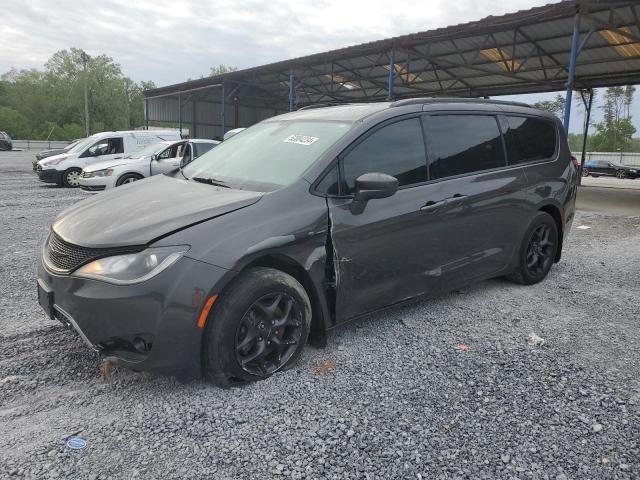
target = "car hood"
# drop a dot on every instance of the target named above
(143, 211)
(94, 167)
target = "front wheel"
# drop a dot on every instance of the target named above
(537, 250)
(621, 174)
(128, 178)
(258, 326)
(71, 177)
(585, 172)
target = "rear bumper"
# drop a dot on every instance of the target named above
(146, 326)
(50, 175)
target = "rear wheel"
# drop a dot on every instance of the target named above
(537, 250)
(258, 326)
(585, 172)
(128, 178)
(621, 174)
(71, 177)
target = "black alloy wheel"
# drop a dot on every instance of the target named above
(621, 174)
(540, 250)
(258, 325)
(268, 334)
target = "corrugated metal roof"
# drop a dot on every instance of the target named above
(526, 51)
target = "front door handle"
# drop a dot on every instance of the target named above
(432, 206)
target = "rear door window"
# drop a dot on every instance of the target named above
(462, 144)
(396, 149)
(529, 139)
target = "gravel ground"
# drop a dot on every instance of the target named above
(444, 388)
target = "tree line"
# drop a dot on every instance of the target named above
(49, 104)
(614, 133)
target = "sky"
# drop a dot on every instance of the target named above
(168, 41)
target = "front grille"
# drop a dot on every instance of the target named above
(64, 257)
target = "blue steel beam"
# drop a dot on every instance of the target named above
(180, 113)
(392, 73)
(292, 91)
(146, 113)
(572, 71)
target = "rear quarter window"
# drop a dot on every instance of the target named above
(529, 139)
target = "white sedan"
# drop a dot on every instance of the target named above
(162, 157)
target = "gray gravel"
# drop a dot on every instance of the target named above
(444, 388)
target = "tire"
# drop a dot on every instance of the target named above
(128, 178)
(71, 177)
(585, 172)
(539, 245)
(621, 174)
(245, 321)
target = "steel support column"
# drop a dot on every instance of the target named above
(193, 134)
(222, 112)
(146, 113)
(180, 113)
(392, 74)
(572, 71)
(585, 133)
(292, 91)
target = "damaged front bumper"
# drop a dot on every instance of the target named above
(145, 326)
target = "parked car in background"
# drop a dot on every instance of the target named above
(303, 222)
(162, 157)
(595, 168)
(65, 169)
(232, 133)
(55, 151)
(6, 143)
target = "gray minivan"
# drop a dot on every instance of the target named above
(303, 222)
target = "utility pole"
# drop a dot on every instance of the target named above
(85, 57)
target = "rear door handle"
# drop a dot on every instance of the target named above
(456, 200)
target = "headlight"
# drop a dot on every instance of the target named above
(132, 267)
(107, 172)
(53, 161)
(633, 171)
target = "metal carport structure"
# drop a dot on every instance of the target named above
(572, 45)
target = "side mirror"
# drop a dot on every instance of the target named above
(370, 186)
(154, 157)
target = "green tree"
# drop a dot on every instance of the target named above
(51, 102)
(555, 106)
(222, 68)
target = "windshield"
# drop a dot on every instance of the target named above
(267, 156)
(72, 144)
(149, 150)
(82, 145)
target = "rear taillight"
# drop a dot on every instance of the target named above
(576, 163)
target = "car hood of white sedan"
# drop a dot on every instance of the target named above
(94, 167)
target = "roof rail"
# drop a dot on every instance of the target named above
(421, 100)
(318, 105)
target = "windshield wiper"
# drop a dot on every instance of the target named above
(211, 181)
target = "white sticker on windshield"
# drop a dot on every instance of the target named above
(300, 139)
